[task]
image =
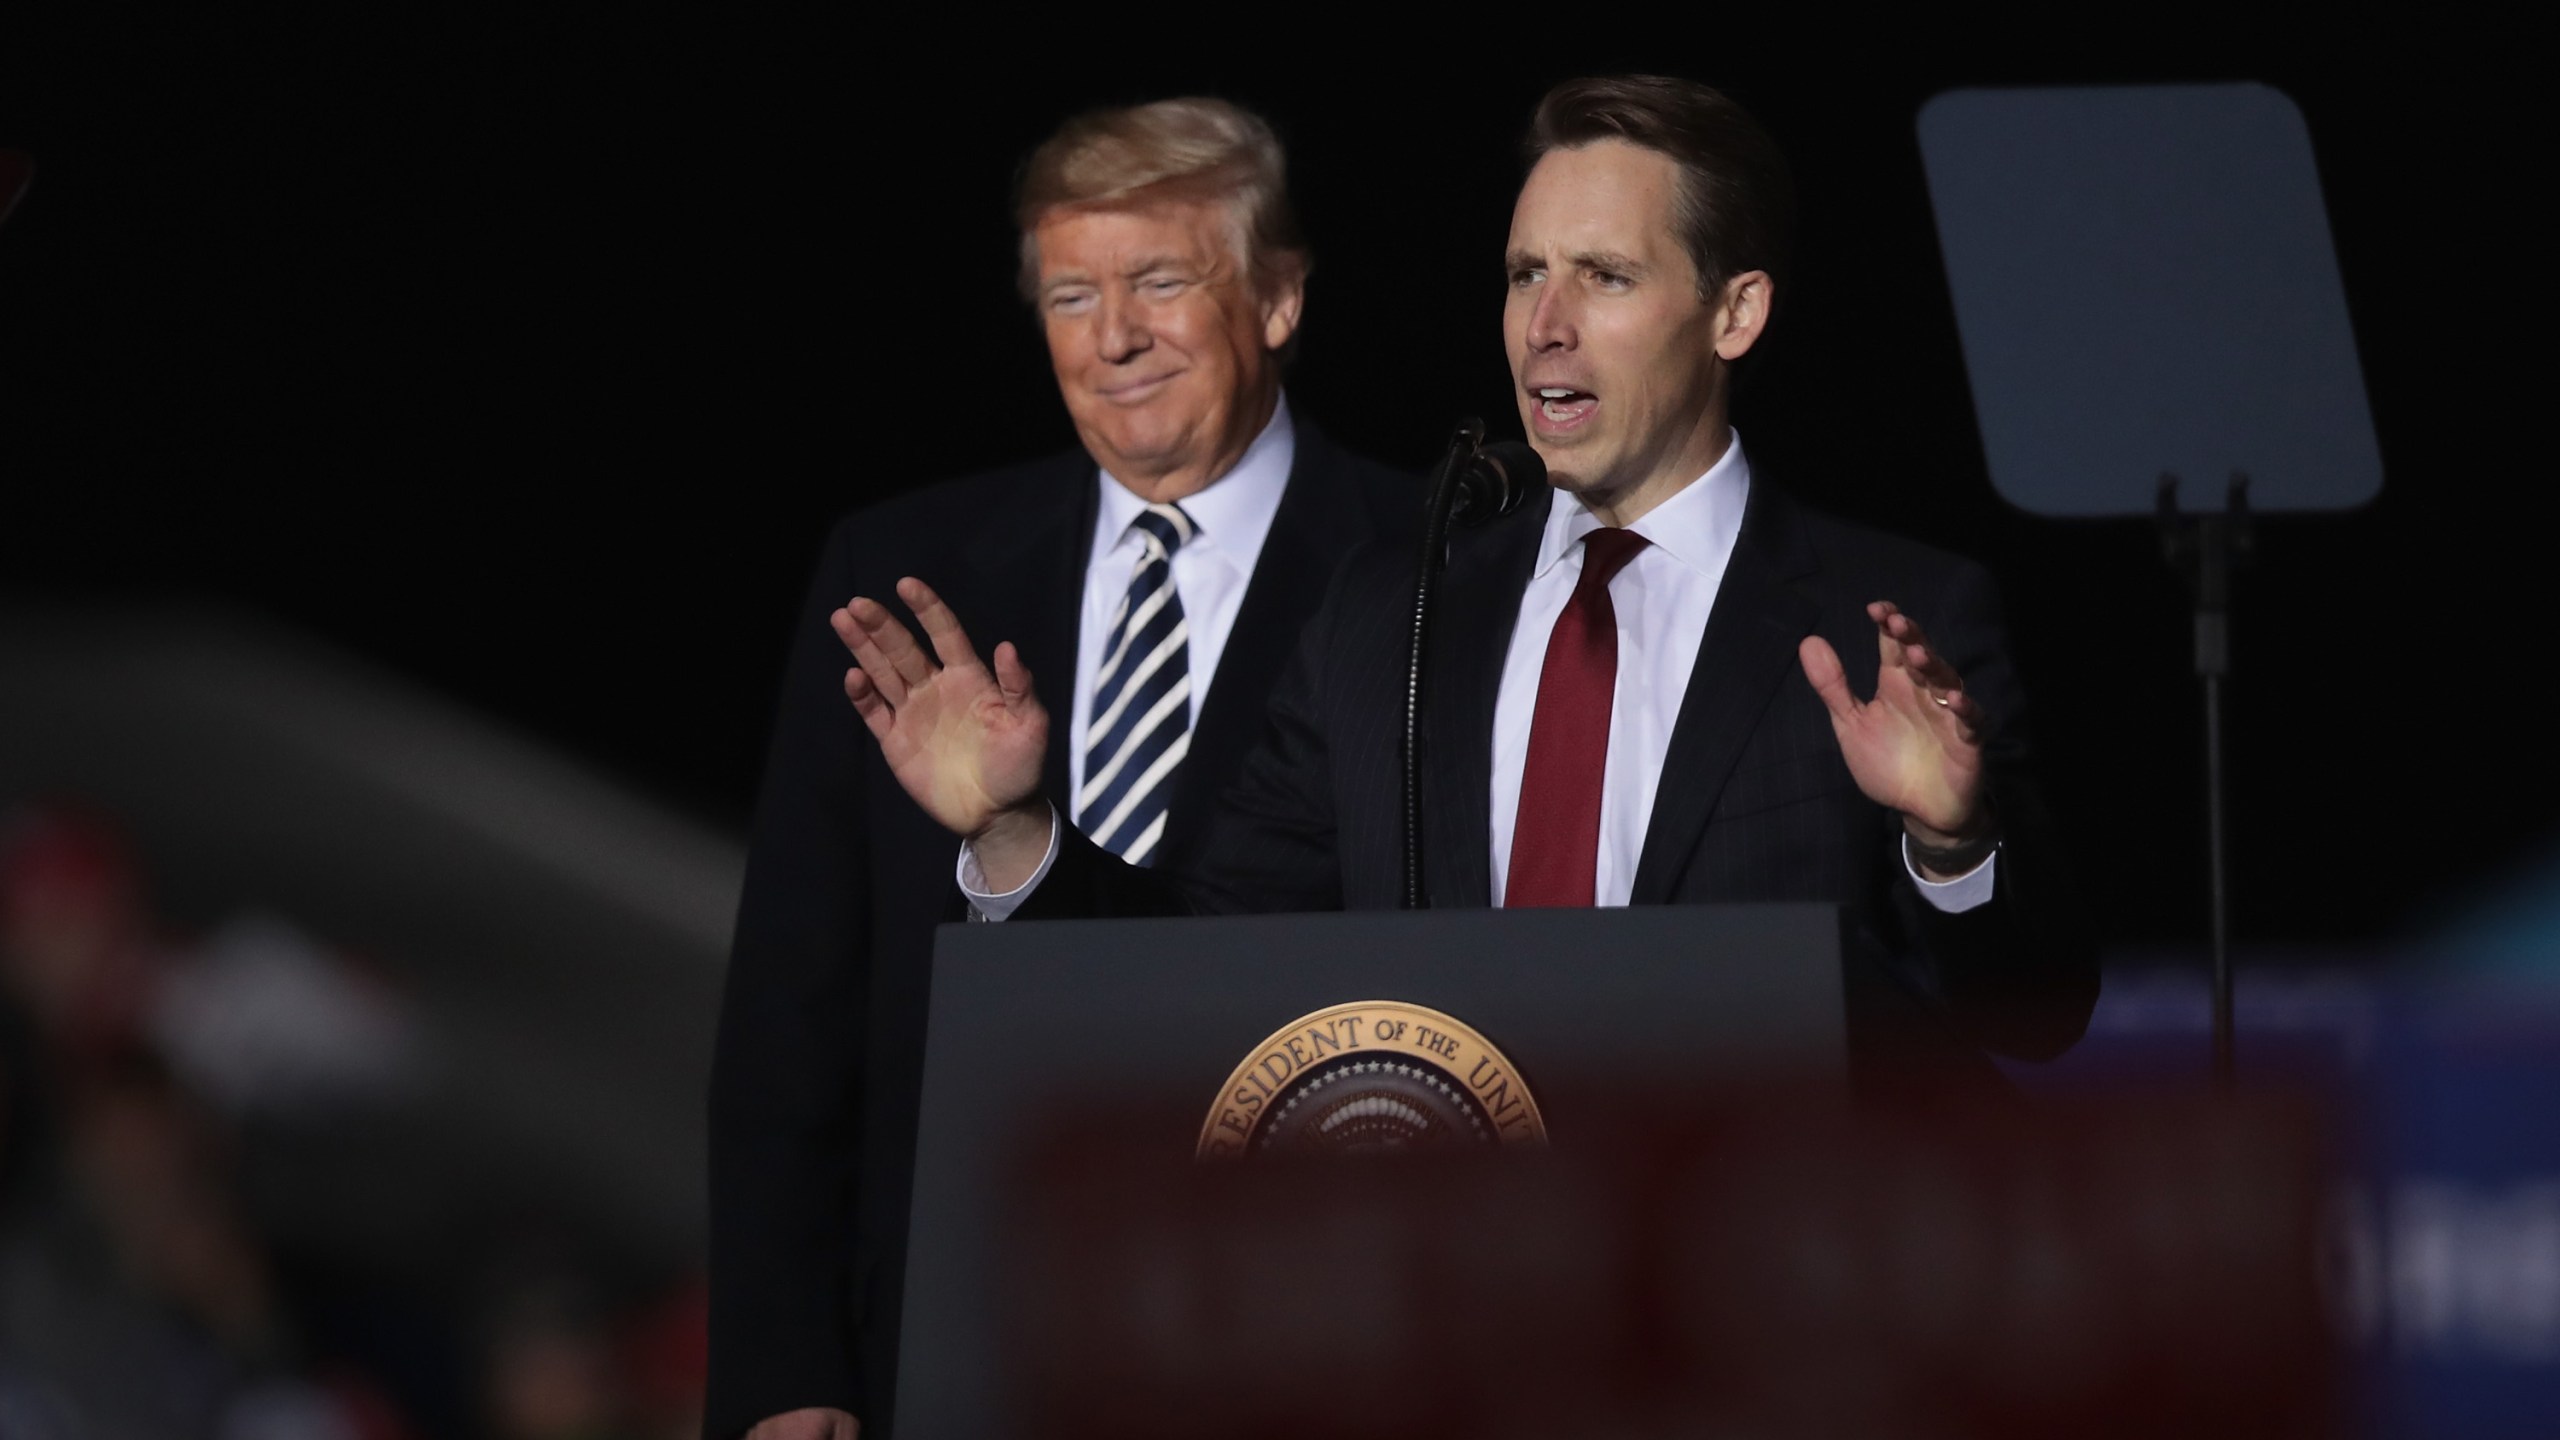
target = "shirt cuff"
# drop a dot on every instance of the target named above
(1952, 897)
(973, 880)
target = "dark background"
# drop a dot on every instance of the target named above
(532, 354)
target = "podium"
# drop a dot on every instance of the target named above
(1149, 1021)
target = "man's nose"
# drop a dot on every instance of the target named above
(1551, 319)
(1123, 334)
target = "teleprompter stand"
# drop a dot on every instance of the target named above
(2206, 549)
(2145, 287)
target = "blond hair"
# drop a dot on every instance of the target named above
(1192, 148)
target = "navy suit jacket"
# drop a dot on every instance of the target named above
(817, 1073)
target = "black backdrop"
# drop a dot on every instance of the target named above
(532, 354)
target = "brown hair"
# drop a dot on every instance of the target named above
(1736, 207)
(1191, 148)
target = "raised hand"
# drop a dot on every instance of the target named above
(1917, 746)
(964, 740)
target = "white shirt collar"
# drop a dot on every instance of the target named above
(1696, 526)
(1234, 512)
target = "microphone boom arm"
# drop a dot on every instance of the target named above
(1475, 483)
(1439, 501)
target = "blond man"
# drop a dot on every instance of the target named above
(1155, 578)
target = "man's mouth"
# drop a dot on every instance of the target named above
(1131, 391)
(1564, 407)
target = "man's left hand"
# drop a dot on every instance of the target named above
(1917, 746)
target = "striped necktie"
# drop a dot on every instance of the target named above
(1141, 725)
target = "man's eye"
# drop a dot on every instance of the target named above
(1610, 279)
(1070, 302)
(1520, 278)
(1161, 286)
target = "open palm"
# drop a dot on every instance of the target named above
(1916, 747)
(964, 740)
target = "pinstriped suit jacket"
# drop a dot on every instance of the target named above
(1755, 802)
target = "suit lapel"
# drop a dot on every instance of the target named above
(1478, 606)
(1035, 555)
(1318, 521)
(1748, 648)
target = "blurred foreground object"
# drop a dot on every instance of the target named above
(555, 940)
(1772, 1269)
(2447, 1253)
(2122, 1256)
(2441, 1246)
(404, 996)
(266, 1019)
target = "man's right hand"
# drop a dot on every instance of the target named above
(807, 1425)
(966, 741)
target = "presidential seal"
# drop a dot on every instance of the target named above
(1372, 1077)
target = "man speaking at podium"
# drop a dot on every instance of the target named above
(1166, 569)
(1672, 684)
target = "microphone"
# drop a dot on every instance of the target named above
(1496, 481)
(1474, 483)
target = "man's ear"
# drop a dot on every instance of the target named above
(1742, 313)
(1281, 307)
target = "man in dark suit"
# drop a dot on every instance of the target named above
(1164, 571)
(1642, 694)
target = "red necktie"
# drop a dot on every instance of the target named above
(1555, 840)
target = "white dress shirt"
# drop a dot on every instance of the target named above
(1230, 519)
(1662, 598)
